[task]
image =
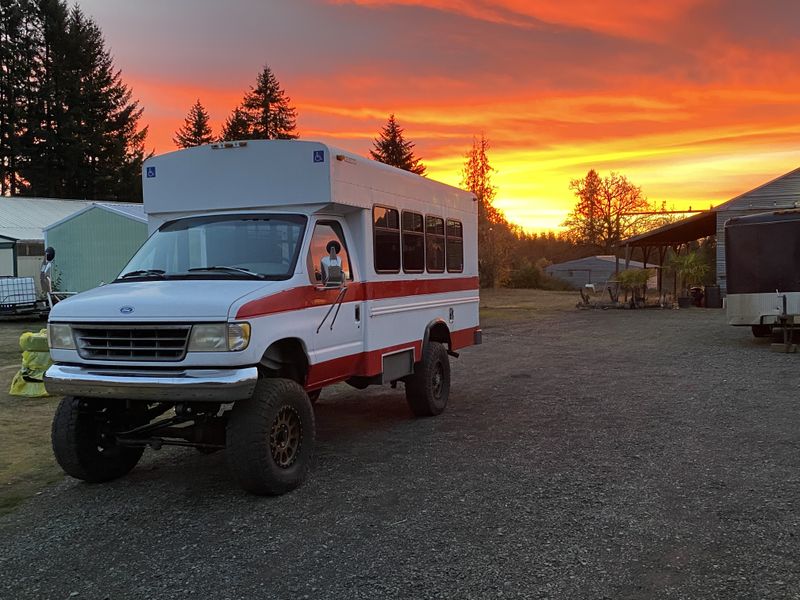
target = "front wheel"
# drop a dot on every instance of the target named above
(270, 438)
(428, 388)
(84, 444)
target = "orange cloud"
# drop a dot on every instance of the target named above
(617, 17)
(692, 100)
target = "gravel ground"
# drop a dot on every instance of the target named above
(596, 454)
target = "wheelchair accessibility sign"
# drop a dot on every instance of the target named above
(151, 172)
(319, 156)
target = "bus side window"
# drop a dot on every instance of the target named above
(386, 231)
(413, 243)
(434, 244)
(455, 246)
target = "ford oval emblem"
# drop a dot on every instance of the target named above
(126, 310)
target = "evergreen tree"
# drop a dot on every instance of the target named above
(268, 111)
(195, 130)
(237, 127)
(392, 149)
(44, 162)
(85, 136)
(19, 40)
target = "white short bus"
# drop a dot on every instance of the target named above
(274, 269)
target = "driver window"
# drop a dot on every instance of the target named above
(327, 250)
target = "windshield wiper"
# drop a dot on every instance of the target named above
(241, 270)
(144, 273)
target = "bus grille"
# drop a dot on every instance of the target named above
(140, 342)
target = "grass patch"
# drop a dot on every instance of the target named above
(520, 304)
(26, 459)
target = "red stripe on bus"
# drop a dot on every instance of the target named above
(308, 296)
(364, 364)
(368, 364)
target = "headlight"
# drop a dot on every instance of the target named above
(238, 336)
(219, 337)
(59, 336)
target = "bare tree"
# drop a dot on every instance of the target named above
(608, 210)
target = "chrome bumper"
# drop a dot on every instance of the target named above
(208, 385)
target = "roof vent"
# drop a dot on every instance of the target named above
(224, 145)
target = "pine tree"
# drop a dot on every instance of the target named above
(392, 149)
(19, 40)
(237, 127)
(44, 163)
(195, 130)
(86, 142)
(268, 111)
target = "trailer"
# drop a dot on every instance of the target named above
(763, 270)
(18, 296)
(274, 269)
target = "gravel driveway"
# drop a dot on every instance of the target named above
(594, 454)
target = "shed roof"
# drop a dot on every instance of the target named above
(686, 230)
(127, 210)
(596, 261)
(780, 192)
(26, 218)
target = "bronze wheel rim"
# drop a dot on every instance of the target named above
(285, 436)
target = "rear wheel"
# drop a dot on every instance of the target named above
(270, 438)
(428, 389)
(761, 331)
(84, 443)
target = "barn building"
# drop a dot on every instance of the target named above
(780, 193)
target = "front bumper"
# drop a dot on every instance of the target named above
(179, 385)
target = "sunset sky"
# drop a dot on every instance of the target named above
(694, 100)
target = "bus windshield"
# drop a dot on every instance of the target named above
(262, 246)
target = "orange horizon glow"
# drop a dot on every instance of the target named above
(694, 102)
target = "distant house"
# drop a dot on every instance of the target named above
(22, 233)
(591, 269)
